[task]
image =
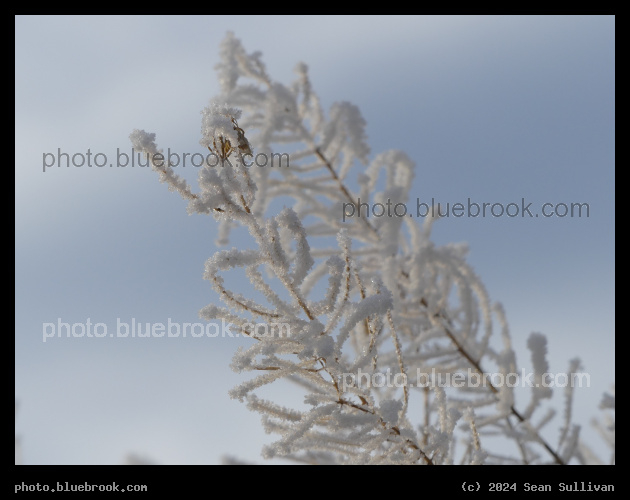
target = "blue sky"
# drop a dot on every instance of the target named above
(495, 109)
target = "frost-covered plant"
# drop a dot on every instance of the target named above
(606, 430)
(347, 301)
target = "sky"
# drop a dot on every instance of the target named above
(496, 109)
